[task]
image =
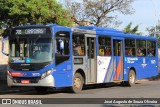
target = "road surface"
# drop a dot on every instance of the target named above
(142, 89)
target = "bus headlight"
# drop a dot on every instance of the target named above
(45, 74)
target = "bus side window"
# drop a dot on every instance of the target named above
(130, 47)
(139, 52)
(62, 50)
(104, 46)
(78, 44)
(141, 47)
(151, 48)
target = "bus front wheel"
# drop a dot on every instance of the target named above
(78, 82)
(131, 79)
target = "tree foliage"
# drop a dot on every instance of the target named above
(17, 12)
(152, 32)
(128, 29)
(99, 12)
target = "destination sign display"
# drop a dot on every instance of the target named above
(30, 31)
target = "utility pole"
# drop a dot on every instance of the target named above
(155, 12)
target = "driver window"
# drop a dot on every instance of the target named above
(62, 50)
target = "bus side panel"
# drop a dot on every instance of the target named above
(151, 67)
(114, 71)
(118, 69)
(104, 69)
(110, 72)
(130, 62)
(63, 74)
(144, 66)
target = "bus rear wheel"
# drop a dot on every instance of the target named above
(78, 82)
(41, 89)
(131, 78)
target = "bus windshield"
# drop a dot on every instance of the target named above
(35, 50)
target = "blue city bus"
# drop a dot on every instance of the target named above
(46, 56)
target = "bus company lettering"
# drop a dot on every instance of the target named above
(131, 60)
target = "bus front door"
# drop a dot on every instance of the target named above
(118, 59)
(91, 53)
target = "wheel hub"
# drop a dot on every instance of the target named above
(77, 82)
(132, 79)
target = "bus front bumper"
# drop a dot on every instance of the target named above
(45, 82)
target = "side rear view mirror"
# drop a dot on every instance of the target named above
(3, 46)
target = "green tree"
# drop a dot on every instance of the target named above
(152, 32)
(128, 29)
(99, 12)
(17, 12)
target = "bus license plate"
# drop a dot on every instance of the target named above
(25, 81)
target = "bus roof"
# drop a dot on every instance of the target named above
(98, 30)
(110, 31)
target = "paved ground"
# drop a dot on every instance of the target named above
(141, 89)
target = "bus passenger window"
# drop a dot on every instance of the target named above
(129, 52)
(105, 46)
(139, 52)
(141, 47)
(101, 52)
(77, 50)
(78, 45)
(108, 52)
(150, 52)
(151, 48)
(130, 47)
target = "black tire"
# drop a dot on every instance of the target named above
(131, 78)
(41, 89)
(78, 83)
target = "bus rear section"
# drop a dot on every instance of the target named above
(141, 56)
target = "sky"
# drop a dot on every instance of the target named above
(147, 13)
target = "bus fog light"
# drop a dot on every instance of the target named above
(45, 74)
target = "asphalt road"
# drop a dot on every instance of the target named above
(142, 89)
